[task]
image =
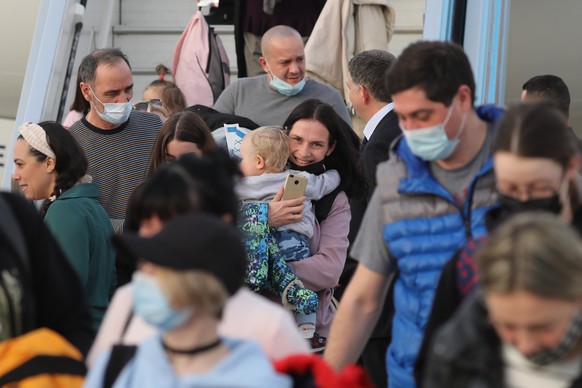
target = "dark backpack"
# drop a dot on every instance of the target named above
(42, 356)
(218, 66)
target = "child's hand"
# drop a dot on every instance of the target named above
(285, 212)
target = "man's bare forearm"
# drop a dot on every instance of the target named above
(356, 317)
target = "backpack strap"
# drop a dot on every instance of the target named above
(126, 325)
(10, 227)
(44, 364)
(118, 359)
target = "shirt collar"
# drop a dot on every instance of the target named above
(375, 120)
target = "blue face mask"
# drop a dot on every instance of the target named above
(150, 304)
(283, 87)
(114, 113)
(432, 143)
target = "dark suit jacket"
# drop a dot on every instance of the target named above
(372, 154)
(376, 150)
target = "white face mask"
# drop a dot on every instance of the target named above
(432, 143)
(283, 87)
(115, 113)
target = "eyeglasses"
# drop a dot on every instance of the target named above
(145, 105)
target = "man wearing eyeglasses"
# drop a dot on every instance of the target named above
(116, 138)
(268, 99)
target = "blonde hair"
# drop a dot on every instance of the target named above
(272, 144)
(534, 252)
(152, 108)
(193, 288)
(170, 94)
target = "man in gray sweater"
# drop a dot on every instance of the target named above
(268, 99)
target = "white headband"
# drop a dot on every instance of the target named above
(36, 137)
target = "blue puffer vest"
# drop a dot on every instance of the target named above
(423, 228)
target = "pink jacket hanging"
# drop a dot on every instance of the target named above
(191, 59)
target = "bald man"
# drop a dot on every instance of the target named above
(268, 99)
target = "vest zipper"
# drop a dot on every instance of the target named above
(468, 232)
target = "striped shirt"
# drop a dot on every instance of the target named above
(118, 158)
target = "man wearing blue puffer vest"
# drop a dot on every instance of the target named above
(431, 197)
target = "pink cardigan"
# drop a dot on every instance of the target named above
(321, 272)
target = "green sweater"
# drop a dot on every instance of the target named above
(84, 230)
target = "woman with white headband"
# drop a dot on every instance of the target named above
(50, 165)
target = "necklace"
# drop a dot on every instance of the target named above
(193, 351)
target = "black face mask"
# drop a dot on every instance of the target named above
(512, 206)
(316, 168)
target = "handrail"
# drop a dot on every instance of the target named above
(36, 85)
(79, 11)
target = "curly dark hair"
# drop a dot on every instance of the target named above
(70, 161)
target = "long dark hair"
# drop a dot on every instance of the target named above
(538, 131)
(344, 157)
(70, 161)
(183, 126)
(216, 174)
(168, 193)
(188, 184)
(79, 103)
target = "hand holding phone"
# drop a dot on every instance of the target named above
(294, 186)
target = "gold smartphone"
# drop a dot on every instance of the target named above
(294, 186)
